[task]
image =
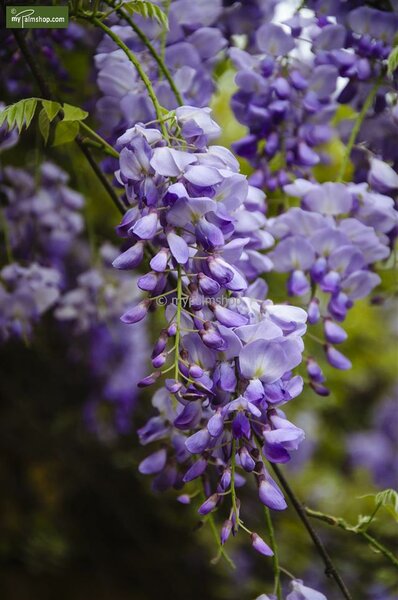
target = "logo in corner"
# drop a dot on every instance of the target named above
(37, 17)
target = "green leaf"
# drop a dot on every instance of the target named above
(44, 124)
(3, 115)
(392, 61)
(30, 109)
(20, 114)
(148, 11)
(73, 113)
(388, 499)
(51, 108)
(65, 132)
(11, 114)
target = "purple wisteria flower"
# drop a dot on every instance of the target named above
(301, 592)
(329, 248)
(286, 107)
(292, 82)
(226, 352)
(26, 293)
(44, 218)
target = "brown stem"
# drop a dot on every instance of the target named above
(330, 569)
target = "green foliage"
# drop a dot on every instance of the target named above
(388, 499)
(44, 124)
(65, 132)
(51, 109)
(147, 10)
(21, 114)
(73, 113)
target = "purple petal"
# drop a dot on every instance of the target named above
(271, 496)
(208, 505)
(337, 359)
(135, 314)
(198, 442)
(178, 247)
(263, 360)
(197, 469)
(215, 425)
(334, 333)
(273, 40)
(259, 545)
(170, 162)
(221, 270)
(159, 261)
(146, 227)
(228, 317)
(153, 463)
(189, 417)
(131, 258)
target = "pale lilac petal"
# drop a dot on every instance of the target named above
(153, 463)
(178, 247)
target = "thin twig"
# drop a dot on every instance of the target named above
(337, 522)
(275, 558)
(356, 129)
(330, 569)
(210, 519)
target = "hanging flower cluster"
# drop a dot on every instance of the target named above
(41, 224)
(227, 353)
(329, 246)
(290, 87)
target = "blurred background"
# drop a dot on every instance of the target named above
(78, 521)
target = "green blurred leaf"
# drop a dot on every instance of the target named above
(19, 113)
(65, 132)
(44, 124)
(73, 113)
(51, 108)
(3, 115)
(12, 114)
(30, 109)
(388, 499)
(148, 11)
